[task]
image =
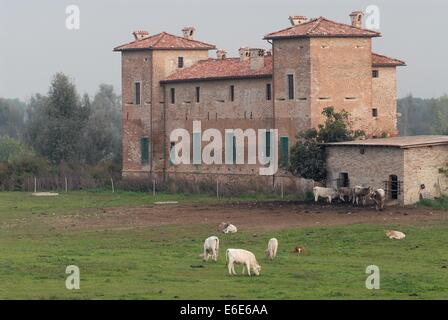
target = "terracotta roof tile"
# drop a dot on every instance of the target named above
(322, 27)
(165, 41)
(379, 60)
(213, 69)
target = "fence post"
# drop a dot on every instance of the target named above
(66, 185)
(112, 182)
(281, 186)
(217, 188)
(35, 185)
(153, 188)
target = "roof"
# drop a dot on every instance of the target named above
(379, 60)
(165, 41)
(322, 27)
(398, 142)
(214, 69)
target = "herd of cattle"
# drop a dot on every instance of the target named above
(237, 256)
(353, 195)
(247, 259)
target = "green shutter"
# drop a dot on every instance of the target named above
(284, 151)
(144, 144)
(268, 143)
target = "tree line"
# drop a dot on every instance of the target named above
(61, 133)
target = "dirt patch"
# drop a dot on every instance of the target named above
(246, 216)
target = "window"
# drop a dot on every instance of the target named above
(232, 93)
(375, 74)
(290, 86)
(144, 145)
(268, 91)
(198, 94)
(173, 95)
(268, 144)
(137, 93)
(343, 180)
(180, 62)
(284, 151)
(374, 112)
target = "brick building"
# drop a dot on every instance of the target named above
(169, 81)
(403, 166)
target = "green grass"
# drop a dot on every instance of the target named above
(163, 262)
(441, 204)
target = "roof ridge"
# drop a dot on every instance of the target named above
(318, 20)
(351, 26)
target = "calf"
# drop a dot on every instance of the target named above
(244, 257)
(379, 197)
(345, 192)
(230, 229)
(271, 251)
(211, 248)
(361, 193)
(392, 234)
(328, 193)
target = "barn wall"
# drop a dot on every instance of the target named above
(421, 166)
(370, 169)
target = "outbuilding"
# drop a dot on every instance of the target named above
(407, 168)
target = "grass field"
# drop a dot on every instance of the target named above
(162, 262)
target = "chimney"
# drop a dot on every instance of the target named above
(296, 20)
(356, 17)
(188, 32)
(256, 57)
(244, 53)
(221, 54)
(140, 34)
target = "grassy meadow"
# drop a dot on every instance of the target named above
(163, 262)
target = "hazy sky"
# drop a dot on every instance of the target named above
(35, 42)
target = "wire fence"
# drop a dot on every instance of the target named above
(218, 186)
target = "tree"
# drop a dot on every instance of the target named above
(308, 153)
(11, 117)
(56, 124)
(103, 129)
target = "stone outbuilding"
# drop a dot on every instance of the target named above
(407, 168)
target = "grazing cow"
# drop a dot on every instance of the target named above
(345, 192)
(379, 197)
(392, 234)
(271, 251)
(211, 248)
(299, 249)
(230, 229)
(361, 193)
(328, 193)
(244, 257)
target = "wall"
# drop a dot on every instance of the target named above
(384, 98)
(422, 167)
(341, 77)
(370, 169)
(250, 109)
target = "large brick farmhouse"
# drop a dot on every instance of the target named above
(169, 81)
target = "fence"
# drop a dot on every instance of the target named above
(217, 185)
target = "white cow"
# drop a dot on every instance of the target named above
(271, 251)
(379, 196)
(211, 248)
(393, 234)
(244, 257)
(328, 193)
(230, 229)
(360, 192)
